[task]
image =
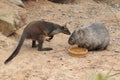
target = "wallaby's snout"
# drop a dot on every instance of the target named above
(67, 32)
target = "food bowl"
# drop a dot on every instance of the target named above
(78, 51)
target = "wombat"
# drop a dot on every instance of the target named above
(94, 36)
(37, 31)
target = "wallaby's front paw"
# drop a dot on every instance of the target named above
(48, 40)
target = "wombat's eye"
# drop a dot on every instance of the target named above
(71, 39)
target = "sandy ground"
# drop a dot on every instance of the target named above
(57, 64)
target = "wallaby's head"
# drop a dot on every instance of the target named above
(76, 36)
(65, 30)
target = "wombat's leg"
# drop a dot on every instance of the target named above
(40, 44)
(103, 47)
(50, 37)
(34, 44)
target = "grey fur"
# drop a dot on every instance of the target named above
(94, 36)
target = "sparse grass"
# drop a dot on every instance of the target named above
(99, 76)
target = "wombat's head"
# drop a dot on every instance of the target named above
(76, 36)
(65, 30)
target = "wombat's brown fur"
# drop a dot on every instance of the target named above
(94, 36)
(36, 31)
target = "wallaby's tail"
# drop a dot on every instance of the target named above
(17, 48)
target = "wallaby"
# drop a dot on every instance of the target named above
(94, 36)
(36, 31)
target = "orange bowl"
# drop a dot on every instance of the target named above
(78, 51)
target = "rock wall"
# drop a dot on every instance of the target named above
(12, 17)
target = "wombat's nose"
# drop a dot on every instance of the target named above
(71, 42)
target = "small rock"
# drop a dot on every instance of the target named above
(17, 2)
(70, 69)
(61, 59)
(117, 51)
(12, 17)
(48, 61)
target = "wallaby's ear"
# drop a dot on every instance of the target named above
(65, 30)
(80, 32)
(64, 26)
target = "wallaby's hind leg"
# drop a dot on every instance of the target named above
(40, 44)
(34, 44)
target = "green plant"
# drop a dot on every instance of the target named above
(100, 76)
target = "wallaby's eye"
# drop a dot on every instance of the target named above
(64, 28)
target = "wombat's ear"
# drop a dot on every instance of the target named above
(80, 32)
